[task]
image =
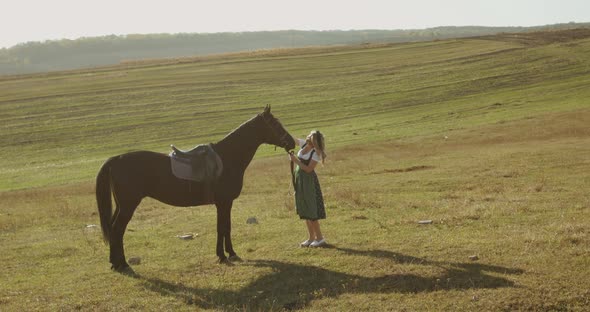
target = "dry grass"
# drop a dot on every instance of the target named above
(488, 138)
(518, 203)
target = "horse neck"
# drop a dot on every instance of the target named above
(237, 149)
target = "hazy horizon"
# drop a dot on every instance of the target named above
(29, 20)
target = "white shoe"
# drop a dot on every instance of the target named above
(306, 243)
(317, 243)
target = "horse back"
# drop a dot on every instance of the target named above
(149, 174)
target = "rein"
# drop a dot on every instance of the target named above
(293, 175)
(284, 141)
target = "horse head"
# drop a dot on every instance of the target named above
(276, 133)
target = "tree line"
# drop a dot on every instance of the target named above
(66, 54)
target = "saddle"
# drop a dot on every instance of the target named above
(200, 164)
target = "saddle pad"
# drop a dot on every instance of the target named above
(181, 168)
(205, 166)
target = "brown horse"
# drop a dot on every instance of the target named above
(132, 176)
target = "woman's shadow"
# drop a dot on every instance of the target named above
(293, 286)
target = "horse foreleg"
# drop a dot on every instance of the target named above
(228, 244)
(224, 232)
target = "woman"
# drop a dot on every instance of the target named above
(308, 194)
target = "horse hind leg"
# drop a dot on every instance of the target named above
(121, 218)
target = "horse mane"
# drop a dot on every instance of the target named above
(240, 128)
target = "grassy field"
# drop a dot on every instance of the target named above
(487, 137)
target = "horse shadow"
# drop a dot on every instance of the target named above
(293, 286)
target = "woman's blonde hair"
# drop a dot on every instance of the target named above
(319, 143)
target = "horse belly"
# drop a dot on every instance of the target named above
(178, 192)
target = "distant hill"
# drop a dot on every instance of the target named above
(55, 55)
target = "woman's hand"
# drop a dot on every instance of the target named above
(307, 168)
(293, 157)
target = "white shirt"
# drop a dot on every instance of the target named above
(305, 156)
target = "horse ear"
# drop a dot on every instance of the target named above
(267, 109)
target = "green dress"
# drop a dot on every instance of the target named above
(309, 200)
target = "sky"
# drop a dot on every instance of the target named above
(39, 20)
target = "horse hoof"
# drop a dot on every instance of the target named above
(225, 261)
(122, 268)
(235, 258)
(129, 272)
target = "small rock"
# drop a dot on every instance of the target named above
(187, 236)
(473, 258)
(134, 260)
(252, 220)
(425, 222)
(89, 226)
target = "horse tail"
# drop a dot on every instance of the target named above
(103, 199)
